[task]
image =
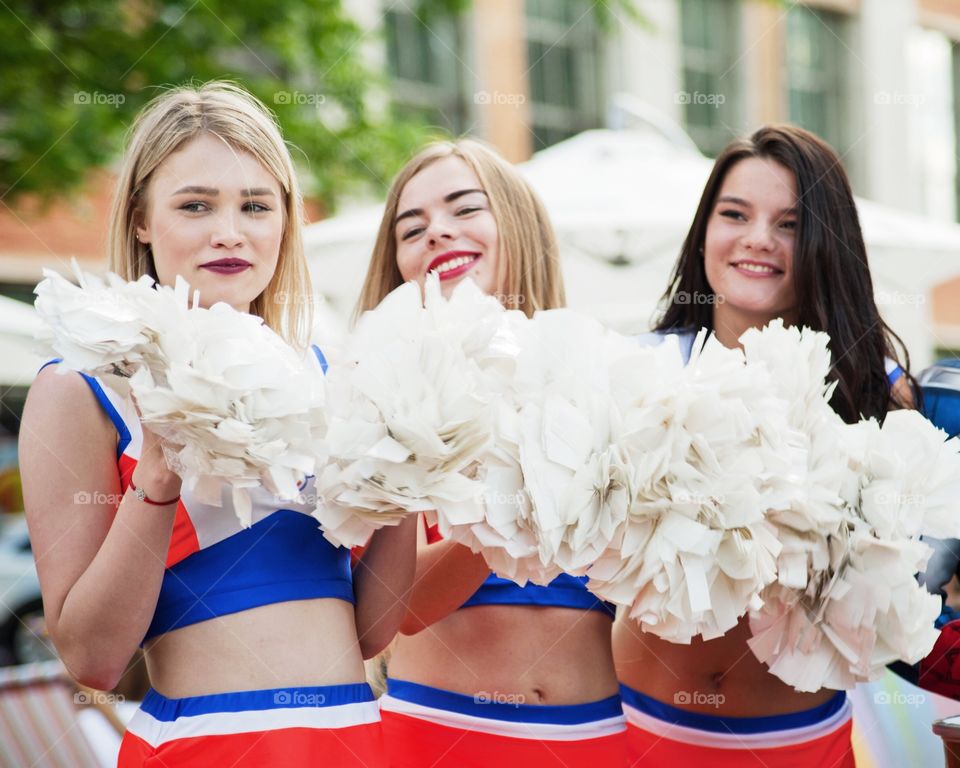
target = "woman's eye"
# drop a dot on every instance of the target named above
(736, 215)
(194, 207)
(467, 209)
(411, 233)
(256, 207)
(791, 225)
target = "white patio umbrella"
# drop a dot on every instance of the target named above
(19, 358)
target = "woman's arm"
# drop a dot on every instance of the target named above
(447, 576)
(100, 558)
(902, 394)
(381, 584)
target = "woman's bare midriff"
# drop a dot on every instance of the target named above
(515, 654)
(298, 643)
(715, 677)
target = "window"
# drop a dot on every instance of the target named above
(816, 68)
(427, 73)
(955, 56)
(710, 37)
(563, 59)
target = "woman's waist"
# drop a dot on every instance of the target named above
(715, 677)
(299, 643)
(533, 655)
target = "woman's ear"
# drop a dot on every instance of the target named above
(140, 225)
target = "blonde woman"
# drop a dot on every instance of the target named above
(254, 639)
(487, 673)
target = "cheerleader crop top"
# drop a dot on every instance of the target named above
(214, 566)
(565, 591)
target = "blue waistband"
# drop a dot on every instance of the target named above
(281, 558)
(726, 725)
(168, 710)
(565, 591)
(494, 705)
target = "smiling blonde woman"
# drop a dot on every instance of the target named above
(488, 673)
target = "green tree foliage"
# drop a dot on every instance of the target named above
(76, 72)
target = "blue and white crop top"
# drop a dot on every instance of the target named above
(686, 338)
(216, 567)
(565, 591)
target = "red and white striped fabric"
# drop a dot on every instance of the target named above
(333, 726)
(426, 727)
(663, 736)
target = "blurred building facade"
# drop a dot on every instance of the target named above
(878, 79)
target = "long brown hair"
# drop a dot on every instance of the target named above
(529, 271)
(832, 282)
(231, 114)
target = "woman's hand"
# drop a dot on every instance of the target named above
(152, 473)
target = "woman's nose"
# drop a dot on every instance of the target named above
(226, 233)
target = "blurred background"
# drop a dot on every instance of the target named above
(613, 109)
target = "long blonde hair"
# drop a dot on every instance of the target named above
(236, 117)
(528, 274)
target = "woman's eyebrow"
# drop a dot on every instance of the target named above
(447, 199)
(734, 199)
(194, 190)
(211, 192)
(740, 201)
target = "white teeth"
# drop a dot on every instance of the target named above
(757, 268)
(453, 264)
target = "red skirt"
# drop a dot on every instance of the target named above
(336, 725)
(426, 727)
(663, 736)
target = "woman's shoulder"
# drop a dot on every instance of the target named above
(69, 399)
(685, 337)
